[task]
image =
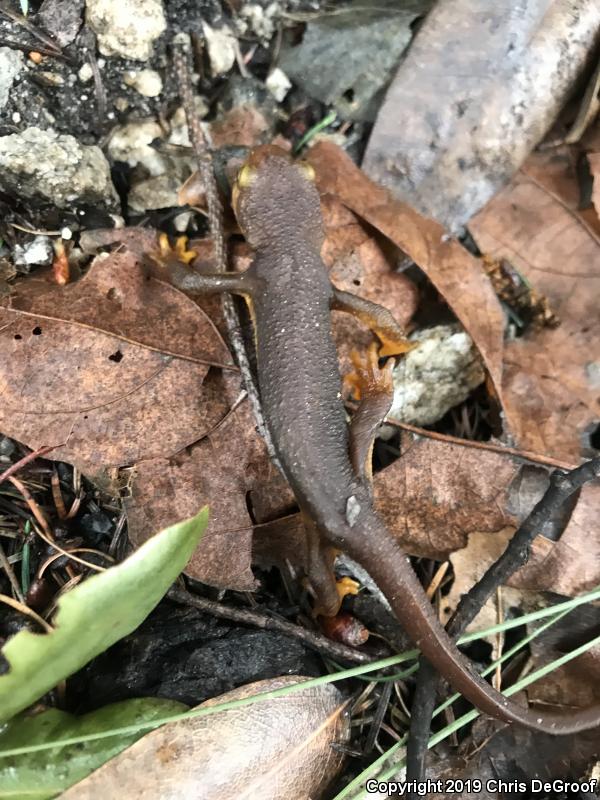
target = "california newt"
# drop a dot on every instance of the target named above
(290, 298)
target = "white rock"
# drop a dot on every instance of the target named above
(220, 43)
(436, 376)
(181, 221)
(145, 81)
(39, 251)
(126, 28)
(278, 84)
(44, 164)
(85, 73)
(11, 63)
(260, 20)
(131, 143)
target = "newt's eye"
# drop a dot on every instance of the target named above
(307, 171)
(245, 176)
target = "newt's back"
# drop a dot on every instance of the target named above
(279, 212)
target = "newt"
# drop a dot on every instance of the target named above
(290, 298)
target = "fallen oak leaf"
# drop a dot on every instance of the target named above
(108, 366)
(221, 470)
(555, 171)
(117, 298)
(278, 749)
(456, 274)
(434, 497)
(551, 376)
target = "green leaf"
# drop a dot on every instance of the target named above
(94, 615)
(37, 777)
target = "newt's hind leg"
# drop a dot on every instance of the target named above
(374, 387)
(329, 592)
(390, 334)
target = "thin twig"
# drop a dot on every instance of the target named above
(37, 33)
(561, 487)
(181, 63)
(338, 652)
(526, 455)
(18, 465)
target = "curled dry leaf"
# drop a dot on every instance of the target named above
(551, 377)
(107, 366)
(219, 470)
(277, 749)
(503, 77)
(455, 273)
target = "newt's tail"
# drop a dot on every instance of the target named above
(371, 544)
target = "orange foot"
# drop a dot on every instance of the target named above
(368, 378)
(179, 252)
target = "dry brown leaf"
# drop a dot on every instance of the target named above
(107, 365)
(555, 171)
(470, 564)
(571, 565)
(476, 92)
(439, 494)
(551, 376)
(219, 471)
(456, 274)
(278, 749)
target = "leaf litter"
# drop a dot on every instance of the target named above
(174, 418)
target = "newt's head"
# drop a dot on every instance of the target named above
(273, 194)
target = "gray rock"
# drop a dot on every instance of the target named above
(347, 59)
(436, 376)
(54, 168)
(160, 191)
(62, 18)
(126, 28)
(11, 63)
